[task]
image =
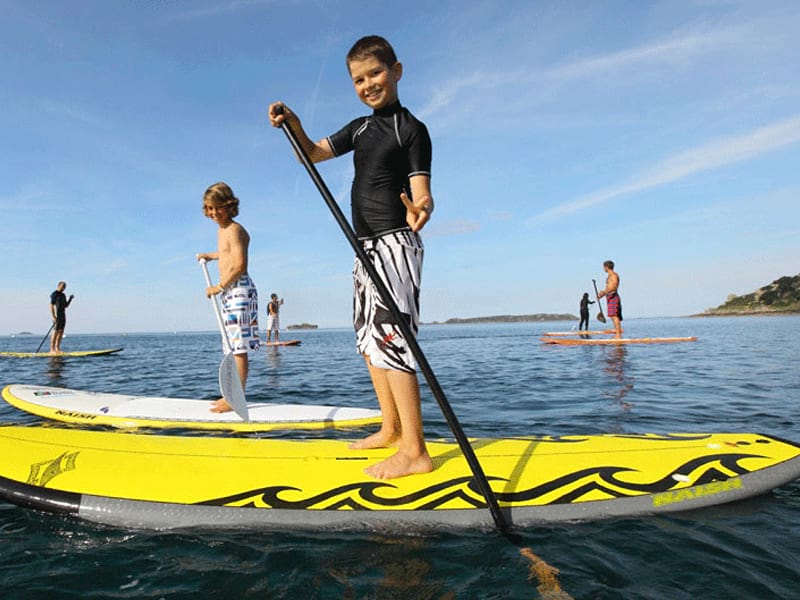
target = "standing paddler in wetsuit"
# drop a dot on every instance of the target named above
(391, 201)
(584, 308)
(58, 310)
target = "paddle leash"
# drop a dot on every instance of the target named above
(405, 328)
(229, 382)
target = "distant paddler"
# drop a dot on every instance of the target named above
(584, 309)
(613, 301)
(273, 317)
(58, 310)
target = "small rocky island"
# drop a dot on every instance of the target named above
(782, 296)
(302, 326)
(535, 318)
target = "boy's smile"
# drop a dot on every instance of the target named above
(218, 214)
(375, 82)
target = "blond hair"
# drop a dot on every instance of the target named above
(220, 195)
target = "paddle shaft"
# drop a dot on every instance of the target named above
(600, 316)
(405, 328)
(217, 311)
(45, 337)
(230, 383)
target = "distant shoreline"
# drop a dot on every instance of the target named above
(749, 313)
(534, 318)
(781, 297)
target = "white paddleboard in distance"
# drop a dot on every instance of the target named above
(582, 341)
(74, 354)
(129, 411)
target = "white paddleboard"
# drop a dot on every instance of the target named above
(75, 354)
(127, 411)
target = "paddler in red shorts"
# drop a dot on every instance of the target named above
(613, 302)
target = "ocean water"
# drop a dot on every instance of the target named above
(742, 374)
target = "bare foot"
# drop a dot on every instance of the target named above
(400, 465)
(220, 406)
(378, 439)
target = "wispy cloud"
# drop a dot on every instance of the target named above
(672, 50)
(675, 50)
(220, 8)
(718, 153)
(453, 227)
(60, 109)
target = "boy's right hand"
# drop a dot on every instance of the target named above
(418, 212)
(278, 113)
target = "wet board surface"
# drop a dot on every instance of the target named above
(574, 333)
(126, 411)
(283, 343)
(580, 341)
(156, 481)
(77, 354)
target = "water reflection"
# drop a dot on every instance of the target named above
(55, 369)
(615, 366)
(274, 363)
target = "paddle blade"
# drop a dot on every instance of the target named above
(231, 387)
(601, 317)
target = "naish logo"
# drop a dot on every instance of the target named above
(42, 473)
(75, 415)
(51, 393)
(698, 491)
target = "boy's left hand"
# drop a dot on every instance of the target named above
(418, 212)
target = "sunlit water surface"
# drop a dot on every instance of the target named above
(743, 374)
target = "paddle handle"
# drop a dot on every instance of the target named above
(405, 328)
(217, 310)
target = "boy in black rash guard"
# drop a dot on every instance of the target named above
(390, 201)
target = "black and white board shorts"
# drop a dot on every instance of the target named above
(397, 256)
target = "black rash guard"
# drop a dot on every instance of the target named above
(391, 146)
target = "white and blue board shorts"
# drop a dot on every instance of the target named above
(240, 315)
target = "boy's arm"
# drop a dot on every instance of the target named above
(419, 211)
(237, 263)
(316, 151)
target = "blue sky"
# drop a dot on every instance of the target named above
(662, 135)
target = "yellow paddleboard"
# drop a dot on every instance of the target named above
(136, 480)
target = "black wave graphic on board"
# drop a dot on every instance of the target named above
(577, 485)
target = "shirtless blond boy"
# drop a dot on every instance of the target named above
(613, 301)
(238, 292)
